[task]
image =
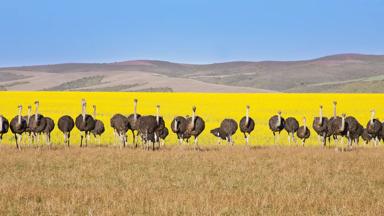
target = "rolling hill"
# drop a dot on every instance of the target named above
(336, 73)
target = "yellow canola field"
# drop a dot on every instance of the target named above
(212, 107)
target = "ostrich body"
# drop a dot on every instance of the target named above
(217, 132)
(291, 126)
(374, 128)
(228, 127)
(99, 126)
(84, 123)
(303, 132)
(37, 123)
(276, 125)
(366, 136)
(195, 125)
(132, 119)
(320, 127)
(247, 124)
(4, 126)
(352, 130)
(65, 125)
(354, 136)
(120, 125)
(49, 126)
(179, 126)
(18, 126)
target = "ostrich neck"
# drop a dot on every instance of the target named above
(372, 116)
(94, 112)
(157, 116)
(19, 117)
(278, 120)
(321, 115)
(176, 122)
(29, 115)
(342, 124)
(193, 120)
(135, 112)
(247, 117)
(1, 123)
(83, 113)
(36, 112)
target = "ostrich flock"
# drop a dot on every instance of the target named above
(152, 131)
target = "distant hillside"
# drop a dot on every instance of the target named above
(337, 73)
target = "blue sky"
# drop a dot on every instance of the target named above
(195, 31)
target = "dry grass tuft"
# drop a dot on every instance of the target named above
(178, 181)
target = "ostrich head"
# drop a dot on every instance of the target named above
(372, 116)
(94, 111)
(135, 109)
(334, 108)
(20, 108)
(157, 113)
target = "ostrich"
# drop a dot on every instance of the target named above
(18, 126)
(320, 126)
(49, 126)
(37, 123)
(352, 130)
(4, 126)
(120, 125)
(228, 127)
(354, 136)
(374, 128)
(66, 124)
(276, 124)
(338, 127)
(150, 127)
(247, 124)
(291, 126)
(217, 132)
(84, 123)
(179, 126)
(303, 132)
(195, 125)
(132, 119)
(99, 126)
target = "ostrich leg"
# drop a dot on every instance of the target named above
(289, 139)
(274, 138)
(81, 139)
(196, 144)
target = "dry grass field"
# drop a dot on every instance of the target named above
(179, 181)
